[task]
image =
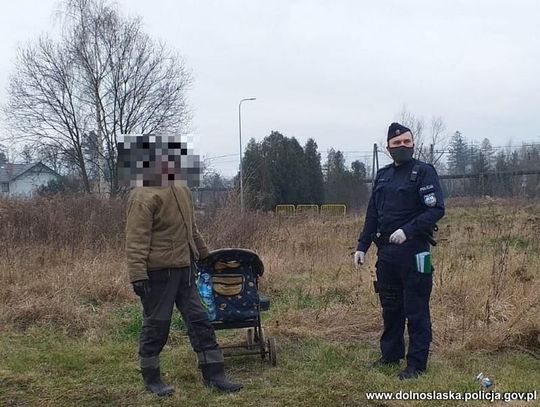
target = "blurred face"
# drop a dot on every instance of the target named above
(401, 148)
(403, 140)
(157, 160)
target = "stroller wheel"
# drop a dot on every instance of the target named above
(272, 351)
(249, 338)
(259, 336)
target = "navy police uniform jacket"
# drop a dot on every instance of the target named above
(401, 201)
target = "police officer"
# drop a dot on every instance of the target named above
(405, 204)
(162, 243)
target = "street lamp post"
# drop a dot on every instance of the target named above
(240, 138)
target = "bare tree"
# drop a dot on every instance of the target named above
(52, 157)
(102, 78)
(27, 154)
(7, 151)
(427, 146)
(438, 140)
(3, 154)
(44, 101)
(416, 124)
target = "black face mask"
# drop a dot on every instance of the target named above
(402, 154)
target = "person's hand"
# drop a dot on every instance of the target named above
(141, 288)
(398, 237)
(359, 258)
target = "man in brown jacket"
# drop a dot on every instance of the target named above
(162, 243)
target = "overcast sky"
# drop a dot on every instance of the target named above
(338, 71)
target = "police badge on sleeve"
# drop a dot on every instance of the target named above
(430, 200)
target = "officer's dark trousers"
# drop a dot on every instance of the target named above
(404, 295)
(167, 288)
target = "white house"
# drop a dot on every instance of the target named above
(24, 179)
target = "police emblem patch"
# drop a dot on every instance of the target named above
(430, 200)
(398, 132)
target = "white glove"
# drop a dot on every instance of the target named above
(398, 237)
(359, 258)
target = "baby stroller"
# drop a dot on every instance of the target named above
(228, 287)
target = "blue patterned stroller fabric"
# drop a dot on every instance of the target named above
(234, 287)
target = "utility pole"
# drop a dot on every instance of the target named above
(374, 164)
(99, 147)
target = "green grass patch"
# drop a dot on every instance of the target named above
(45, 368)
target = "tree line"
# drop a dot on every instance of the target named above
(492, 169)
(278, 170)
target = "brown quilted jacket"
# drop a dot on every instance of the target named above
(161, 231)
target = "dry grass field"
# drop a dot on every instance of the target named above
(69, 321)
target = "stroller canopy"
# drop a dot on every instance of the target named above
(243, 256)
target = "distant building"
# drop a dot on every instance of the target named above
(23, 180)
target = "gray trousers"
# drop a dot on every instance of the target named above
(167, 288)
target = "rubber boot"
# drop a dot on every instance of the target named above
(410, 373)
(214, 377)
(153, 382)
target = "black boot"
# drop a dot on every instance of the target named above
(410, 372)
(153, 382)
(214, 376)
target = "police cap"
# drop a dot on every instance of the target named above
(396, 129)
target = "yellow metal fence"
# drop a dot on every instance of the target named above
(334, 209)
(311, 209)
(285, 210)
